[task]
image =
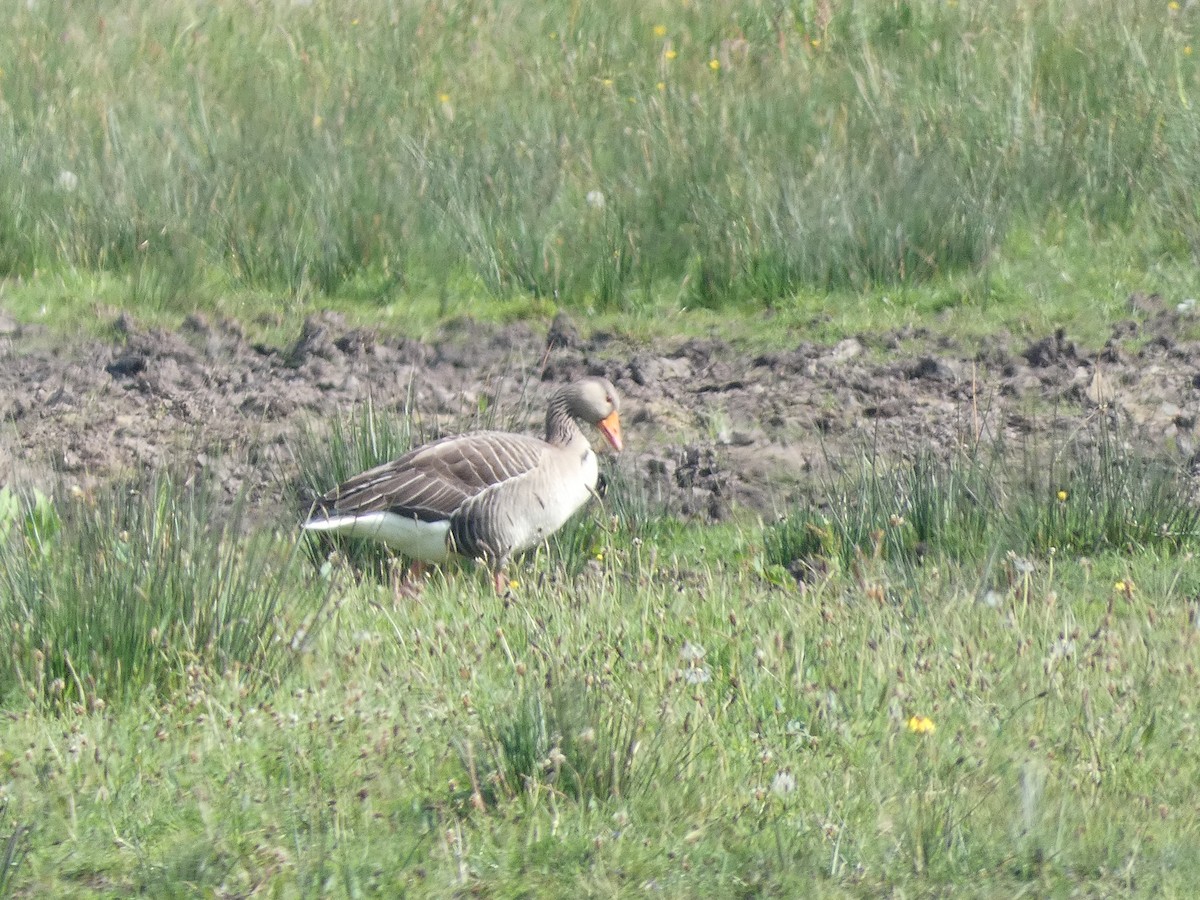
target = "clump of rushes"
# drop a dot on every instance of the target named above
(1102, 495)
(128, 589)
(1091, 494)
(324, 459)
(894, 512)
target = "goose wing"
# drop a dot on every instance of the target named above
(431, 482)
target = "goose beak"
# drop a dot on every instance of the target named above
(610, 427)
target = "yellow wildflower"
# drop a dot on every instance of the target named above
(671, 54)
(816, 43)
(714, 64)
(921, 725)
(1062, 496)
(1187, 51)
(1120, 587)
(662, 85)
(1173, 6)
(443, 97)
(607, 82)
(660, 30)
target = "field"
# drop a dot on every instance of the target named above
(892, 592)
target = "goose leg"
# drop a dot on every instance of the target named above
(410, 584)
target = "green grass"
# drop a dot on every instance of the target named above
(690, 727)
(105, 597)
(193, 708)
(1083, 494)
(410, 164)
(657, 706)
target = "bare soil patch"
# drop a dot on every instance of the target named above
(709, 426)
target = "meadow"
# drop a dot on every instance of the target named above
(970, 672)
(404, 161)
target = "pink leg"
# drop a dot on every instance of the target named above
(412, 582)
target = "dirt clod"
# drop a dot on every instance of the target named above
(709, 425)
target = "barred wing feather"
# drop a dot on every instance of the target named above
(432, 482)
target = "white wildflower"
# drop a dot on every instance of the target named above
(783, 783)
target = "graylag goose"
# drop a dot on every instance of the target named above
(484, 495)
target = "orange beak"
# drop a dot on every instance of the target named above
(610, 427)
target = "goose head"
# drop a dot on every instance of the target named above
(595, 401)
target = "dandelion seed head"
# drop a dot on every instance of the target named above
(1022, 565)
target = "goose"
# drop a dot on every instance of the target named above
(484, 495)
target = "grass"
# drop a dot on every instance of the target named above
(106, 597)
(1089, 493)
(653, 709)
(981, 685)
(414, 164)
(15, 846)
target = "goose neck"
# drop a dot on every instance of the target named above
(561, 428)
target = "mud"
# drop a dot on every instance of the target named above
(709, 426)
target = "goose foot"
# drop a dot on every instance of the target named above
(500, 580)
